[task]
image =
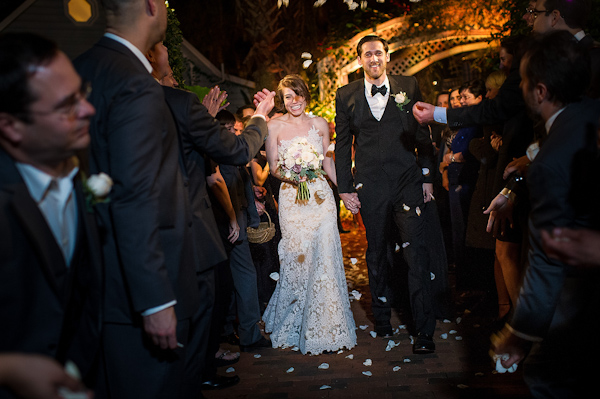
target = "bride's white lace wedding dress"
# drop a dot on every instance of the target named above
(310, 308)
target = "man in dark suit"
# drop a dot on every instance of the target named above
(557, 305)
(202, 136)
(150, 287)
(374, 115)
(49, 251)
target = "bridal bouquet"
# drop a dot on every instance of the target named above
(301, 160)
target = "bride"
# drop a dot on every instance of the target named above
(309, 308)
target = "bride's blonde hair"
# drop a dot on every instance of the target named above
(298, 86)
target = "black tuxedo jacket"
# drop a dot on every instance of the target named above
(45, 306)
(389, 149)
(202, 136)
(146, 226)
(556, 179)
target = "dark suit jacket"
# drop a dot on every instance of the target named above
(45, 306)
(553, 181)
(202, 136)
(146, 227)
(389, 151)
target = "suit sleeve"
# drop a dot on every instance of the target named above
(545, 277)
(424, 146)
(507, 103)
(343, 147)
(134, 140)
(206, 135)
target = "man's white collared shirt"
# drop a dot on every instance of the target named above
(378, 102)
(55, 198)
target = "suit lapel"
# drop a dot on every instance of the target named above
(52, 260)
(396, 88)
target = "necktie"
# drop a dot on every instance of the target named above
(375, 90)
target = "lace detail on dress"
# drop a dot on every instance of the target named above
(310, 306)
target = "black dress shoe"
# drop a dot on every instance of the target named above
(220, 382)
(384, 330)
(231, 339)
(423, 344)
(261, 343)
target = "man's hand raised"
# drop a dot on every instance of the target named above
(423, 112)
(264, 102)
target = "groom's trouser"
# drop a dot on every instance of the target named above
(383, 202)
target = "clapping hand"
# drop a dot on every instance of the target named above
(213, 100)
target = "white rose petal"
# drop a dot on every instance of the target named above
(230, 370)
(306, 64)
(382, 299)
(446, 321)
(418, 211)
(289, 370)
(368, 362)
(402, 326)
(350, 356)
(444, 336)
(432, 275)
(323, 366)
(406, 244)
(257, 356)
(458, 338)
(425, 171)
(373, 334)
(356, 294)
(406, 360)
(406, 207)
(340, 352)
(458, 320)
(396, 368)
(364, 327)
(331, 147)
(397, 247)
(367, 373)
(306, 55)
(353, 261)
(452, 331)
(325, 387)
(359, 186)
(274, 276)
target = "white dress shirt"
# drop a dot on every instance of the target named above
(377, 103)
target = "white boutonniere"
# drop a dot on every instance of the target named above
(401, 100)
(96, 189)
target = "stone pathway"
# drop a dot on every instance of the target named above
(460, 367)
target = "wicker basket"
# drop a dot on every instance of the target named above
(263, 233)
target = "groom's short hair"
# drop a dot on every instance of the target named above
(371, 38)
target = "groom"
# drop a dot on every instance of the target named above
(390, 182)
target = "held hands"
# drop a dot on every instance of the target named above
(160, 327)
(500, 211)
(264, 102)
(351, 202)
(428, 192)
(213, 100)
(423, 112)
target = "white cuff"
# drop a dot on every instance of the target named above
(157, 309)
(259, 116)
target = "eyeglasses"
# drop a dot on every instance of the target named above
(70, 106)
(533, 13)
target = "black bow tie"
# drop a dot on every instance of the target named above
(375, 90)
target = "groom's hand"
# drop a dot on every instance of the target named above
(351, 202)
(423, 112)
